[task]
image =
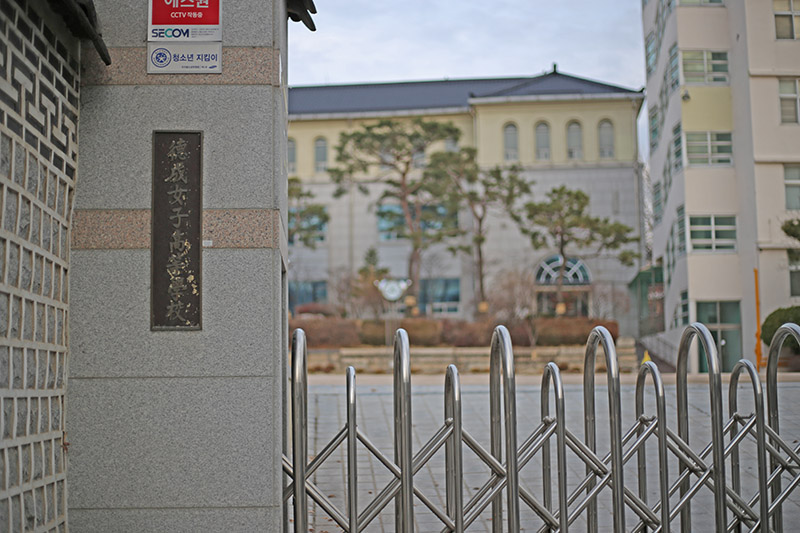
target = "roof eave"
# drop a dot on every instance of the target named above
(380, 113)
(555, 98)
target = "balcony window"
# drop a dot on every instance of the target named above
(791, 180)
(705, 66)
(787, 18)
(790, 99)
(712, 232)
(709, 148)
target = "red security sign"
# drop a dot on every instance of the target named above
(185, 12)
(185, 20)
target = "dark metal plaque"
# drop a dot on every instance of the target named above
(176, 230)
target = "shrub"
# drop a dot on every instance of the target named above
(570, 330)
(327, 332)
(463, 333)
(423, 331)
(776, 319)
(372, 332)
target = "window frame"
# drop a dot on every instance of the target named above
(707, 74)
(791, 181)
(510, 154)
(711, 158)
(793, 15)
(542, 152)
(714, 243)
(603, 151)
(575, 153)
(793, 97)
(320, 164)
(291, 156)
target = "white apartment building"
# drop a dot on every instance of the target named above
(723, 79)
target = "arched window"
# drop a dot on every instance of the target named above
(605, 139)
(291, 149)
(320, 155)
(574, 141)
(575, 272)
(510, 143)
(542, 141)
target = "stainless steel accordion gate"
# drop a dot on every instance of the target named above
(715, 466)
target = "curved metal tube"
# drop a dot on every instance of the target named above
(597, 336)
(661, 419)
(404, 503)
(552, 374)
(761, 452)
(697, 329)
(454, 449)
(352, 451)
(502, 362)
(772, 404)
(300, 425)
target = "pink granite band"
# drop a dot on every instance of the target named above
(129, 229)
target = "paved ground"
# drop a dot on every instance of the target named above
(375, 412)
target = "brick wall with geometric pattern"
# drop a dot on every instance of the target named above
(39, 102)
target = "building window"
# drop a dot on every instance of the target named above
(418, 159)
(790, 96)
(439, 296)
(794, 272)
(291, 149)
(306, 292)
(673, 77)
(724, 321)
(680, 221)
(705, 66)
(709, 148)
(320, 155)
(700, 2)
(542, 141)
(658, 205)
(510, 143)
(605, 135)
(791, 179)
(787, 18)
(391, 222)
(681, 315)
(677, 148)
(577, 284)
(306, 226)
(651, 53)
(435, 218)
(712, 232)
(574, 141)
(653, 126)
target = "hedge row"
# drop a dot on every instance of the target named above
(340, 332)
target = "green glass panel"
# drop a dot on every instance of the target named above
(700, 221)
(725, 221)
(696, 137)
(791, 172)
(721, 137)
(787, 87)
(707, 312)
(700, 234)
(726, 234)
(792, 197)
(729, 313)
(730, 348)
(794, 283)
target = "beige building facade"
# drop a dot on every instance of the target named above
(560, 129)
(724, 160)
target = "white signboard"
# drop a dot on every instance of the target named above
(186, 58)
(184, 20)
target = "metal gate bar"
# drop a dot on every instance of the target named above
(697, 468)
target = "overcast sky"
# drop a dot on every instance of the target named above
(370, 40)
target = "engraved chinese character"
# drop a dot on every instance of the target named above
(174, 310)
(177, 288)
(177, 173)
(178, 242)
(178, 195)
(177, 150)
(176, 263)
(178, 216)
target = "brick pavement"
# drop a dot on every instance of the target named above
(326, 412)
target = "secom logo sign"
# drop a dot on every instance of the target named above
(169, 33)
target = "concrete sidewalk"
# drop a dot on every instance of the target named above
(326, 410)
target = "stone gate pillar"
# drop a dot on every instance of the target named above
(179, 430)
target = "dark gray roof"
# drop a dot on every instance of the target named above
(375, 97)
